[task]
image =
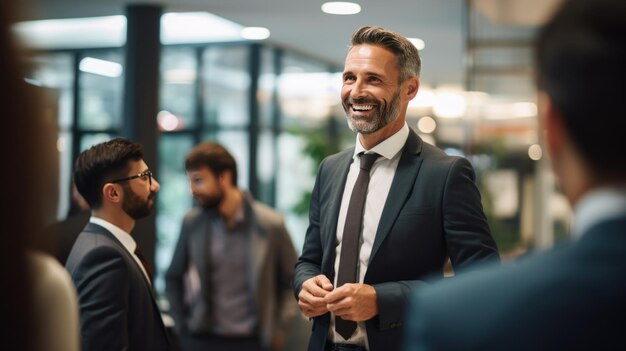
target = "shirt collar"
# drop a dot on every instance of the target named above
(389, 147)
(597, 206)
(125, 238)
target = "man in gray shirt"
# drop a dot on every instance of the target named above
(229, 281)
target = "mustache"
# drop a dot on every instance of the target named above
(360, 101)
(152, 195)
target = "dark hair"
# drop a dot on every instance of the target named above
(409, 62)
(214, 156)
(580, 58)
(103, 163)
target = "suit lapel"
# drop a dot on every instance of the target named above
(340, 174)
(401, 188)
(258, 246)
(201, 250)
(99, 230)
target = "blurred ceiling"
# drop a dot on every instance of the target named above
(302, 26)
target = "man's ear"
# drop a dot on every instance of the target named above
(226, 178)
(111, 193)
(412, 85)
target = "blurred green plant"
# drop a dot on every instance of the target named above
(319, 144)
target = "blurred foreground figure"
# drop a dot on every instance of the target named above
(38, 304)
(573, 297)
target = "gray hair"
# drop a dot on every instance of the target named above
(409, 62)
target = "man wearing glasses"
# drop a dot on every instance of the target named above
(118, 310)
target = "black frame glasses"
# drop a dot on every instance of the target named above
(143, 174)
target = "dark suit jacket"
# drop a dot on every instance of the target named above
(271, 265)
(118, 310)
(65, 233)
(570, 298)
(433, 211)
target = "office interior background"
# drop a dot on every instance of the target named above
(174, 73)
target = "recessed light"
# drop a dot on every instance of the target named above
(341, 8)
(255, 33)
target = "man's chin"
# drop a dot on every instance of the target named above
(361, 126)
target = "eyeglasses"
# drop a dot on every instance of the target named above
(140, 175)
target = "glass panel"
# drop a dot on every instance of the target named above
(89, 140)
(101, 83)
(295, 178)
(267, 86)
(237, 143)
(307, 93)
(174, 199)
(178, 85)
(226, 84)
(56, 71)
(64, 145)
(308, 97)
(265, 167)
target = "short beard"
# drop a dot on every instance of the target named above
(383, 116)
(136, 207)
(211, 202)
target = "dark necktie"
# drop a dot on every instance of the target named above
(144, 263)
(351, 237)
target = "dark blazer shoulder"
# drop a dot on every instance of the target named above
(339, 157)
(195, 215)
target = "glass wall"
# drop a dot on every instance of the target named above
(89, 90)
(272, 109)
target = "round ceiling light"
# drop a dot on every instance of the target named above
(341, 8)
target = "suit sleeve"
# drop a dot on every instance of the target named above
(102, 282)
(466, 232)
(310, 262)
(286, 260)
(174, 286)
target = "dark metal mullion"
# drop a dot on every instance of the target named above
(254, 68)
(276, 122)
(200, 128)
(77, 133)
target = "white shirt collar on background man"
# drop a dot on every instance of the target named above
(389, 147)
(125, 238)
(598, 206)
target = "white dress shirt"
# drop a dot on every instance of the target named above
(381, 177)
(125, 238)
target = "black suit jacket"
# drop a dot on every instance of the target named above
(118, 310)
(433, 211)
(570, 298)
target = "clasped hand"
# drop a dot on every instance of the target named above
(355, 302)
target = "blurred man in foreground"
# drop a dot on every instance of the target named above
(573, 297)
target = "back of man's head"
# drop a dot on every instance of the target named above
(103, 163)
(581, 59)
(213, 156)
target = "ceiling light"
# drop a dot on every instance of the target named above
(341, 8)
(109, 31)
(100, 67)
(197, 27)
(418, 43)
(255, 33)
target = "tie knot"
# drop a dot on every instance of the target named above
(367, 161)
